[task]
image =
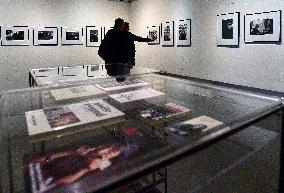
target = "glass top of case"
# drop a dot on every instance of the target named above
(110, 131)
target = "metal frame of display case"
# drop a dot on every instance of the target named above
(163, 162)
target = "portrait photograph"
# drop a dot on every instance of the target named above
(71, 36)
(263, 27)
(93, 36)
(45, 36)
(228, 30)
(15, 36)
(154, 35)
(168, 33)
(183, 33)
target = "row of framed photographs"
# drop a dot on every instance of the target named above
(48, 36)
(166, 32)
(262, 27)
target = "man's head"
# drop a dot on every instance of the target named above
(126, 27)
(119, 24)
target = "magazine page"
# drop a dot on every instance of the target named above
(114, 85)
(75, 92)
(57, 118)
(87, 166)
(136, 95)
(156, 112)
(186, 128)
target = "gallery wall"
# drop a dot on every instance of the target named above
(254, 65)
(15, 61)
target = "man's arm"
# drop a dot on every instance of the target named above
(139, 39)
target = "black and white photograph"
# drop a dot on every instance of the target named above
(71, 36)
(15, 36)
(183, 32)
(106, 29)
(93, 36)
(228, 30)
(45, 36)
(168, 33)
(154, 35)
(263, 27)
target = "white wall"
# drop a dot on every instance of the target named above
(255, 65)
(16, 60)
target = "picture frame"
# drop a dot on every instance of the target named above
(263, 27)
(15, 36)
(154, 35)
(183, 33)
(71, 36)
(93, 36)
(45, 36)
(228, 30)
(168, 34)
(106, 29)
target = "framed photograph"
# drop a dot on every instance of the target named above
(45, 36)
(106, 29)
(184, 33)
(228, 30)
(93, 36)
(168, 33)
(154, 35)
(71, 36)
(15, 36)
(263, 27)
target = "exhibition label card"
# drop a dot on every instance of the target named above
(114, 85)
(136, 95)
(76, 92)
(57, 118)
(199, 124)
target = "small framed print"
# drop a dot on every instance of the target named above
(15, 36)
(71, 36)
(93, 36)
(263, 27)
(45, 36)
(184, 33)
(228, 30)
(168, 33)
(106, 29)
(154, 35)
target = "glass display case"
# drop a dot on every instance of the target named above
(68, 75)
(102, 135)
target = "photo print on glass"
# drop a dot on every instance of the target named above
(154, 35)
(183, 33)
(15, 36)
(168, 33)
(263, 27)
(228, 30)
(45, 36)
(71, 36)
(93, 36)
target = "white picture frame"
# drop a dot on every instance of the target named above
(15, 36)
(93, 36)
(228, 30)
(71, 36)
(154, 34)
(183, 31)
(263, 27)
(45, 36)
(168, 34)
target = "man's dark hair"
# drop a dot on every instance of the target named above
(118, 23)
